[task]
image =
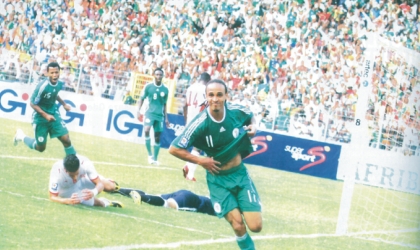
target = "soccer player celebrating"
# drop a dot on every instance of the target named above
(157, 95)
(46, 117)
(195, 103)
(222, 132)
(74, 180)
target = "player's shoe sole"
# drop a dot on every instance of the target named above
(185, 171)
(136, 197)
(117, 187)
(116, 204)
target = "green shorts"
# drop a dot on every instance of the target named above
(233, 189)
(55, 128)
(157, 124)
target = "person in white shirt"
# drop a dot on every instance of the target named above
(195, 103)
(74, 180)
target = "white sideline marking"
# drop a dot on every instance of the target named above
(123, 215)
(358, 235)
(232, 239)
(95, 162)
(389, 242)
(152, 221)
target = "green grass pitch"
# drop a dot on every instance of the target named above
(299, 212)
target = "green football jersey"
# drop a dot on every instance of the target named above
(45, 96)
(222, 140)
(157, 97)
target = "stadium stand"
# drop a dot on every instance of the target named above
(295, 64)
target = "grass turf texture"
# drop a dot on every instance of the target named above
(299, 212)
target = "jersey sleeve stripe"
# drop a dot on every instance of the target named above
(41, 89)
(194, 125)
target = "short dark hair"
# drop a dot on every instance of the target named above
(220, 81)
(53, 65)
(71, 163)
(158, 69)
(204, 77)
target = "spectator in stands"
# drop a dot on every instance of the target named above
(128, 99)
(286, 37)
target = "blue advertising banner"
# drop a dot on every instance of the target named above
(295, 155)
(176, 126)
(281, 152)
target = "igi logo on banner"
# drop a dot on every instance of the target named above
(121, 122)
(11, 102)
(73, 114)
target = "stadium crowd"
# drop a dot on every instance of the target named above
(295, 64)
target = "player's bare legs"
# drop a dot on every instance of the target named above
(148, 144)
(243, 239)
(68, 148)
(253, 221)
(156, 147)
(110, 185)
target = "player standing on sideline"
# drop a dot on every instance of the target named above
(74, 180)
(195, 103)
(46, 118)
(157, 95)
(222, 132)
(183, 200)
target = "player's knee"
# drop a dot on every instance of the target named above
(40, 148)
(238, 226)
(255, 227)
(172, 203)
(65, 140)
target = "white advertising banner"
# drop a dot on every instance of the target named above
(380, 168)
(89, 115)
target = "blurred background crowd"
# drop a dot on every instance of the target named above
(296, 64)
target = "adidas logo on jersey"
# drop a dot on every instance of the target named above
(222, 129)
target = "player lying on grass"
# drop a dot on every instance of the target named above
(74, 180)
(183, 200)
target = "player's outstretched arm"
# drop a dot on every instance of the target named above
(73, 200)
(139, 115)
(65, 106)
(252, 128)
(166, 116)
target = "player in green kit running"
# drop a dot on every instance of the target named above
(157, 95)
(222, 131)
(46, 118)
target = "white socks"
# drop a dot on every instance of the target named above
(105, 201)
